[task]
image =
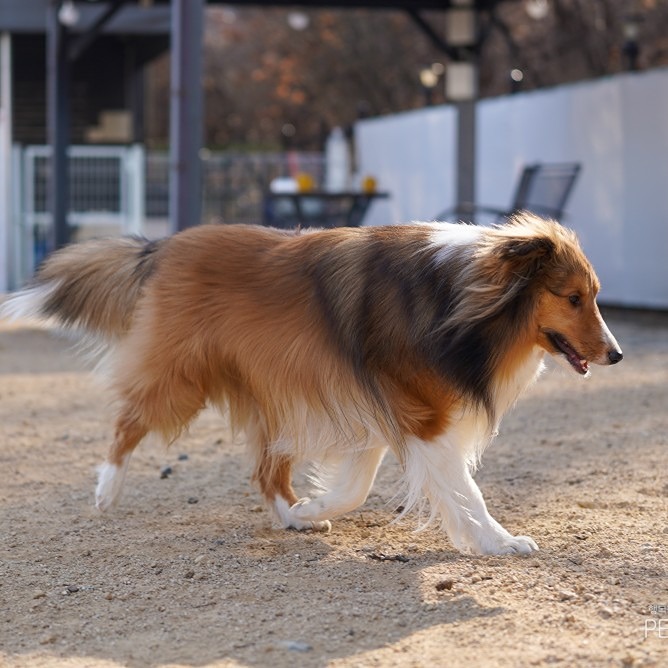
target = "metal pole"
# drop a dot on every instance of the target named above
(6, 209)
(58, 124)
(134, 92)
(466, 159)
(185, 172)
(462, 89)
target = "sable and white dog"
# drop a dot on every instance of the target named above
(331, 346)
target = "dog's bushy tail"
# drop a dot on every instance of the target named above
(92, 286)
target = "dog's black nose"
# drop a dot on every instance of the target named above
(615, 356)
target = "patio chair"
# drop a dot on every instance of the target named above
(543, 189)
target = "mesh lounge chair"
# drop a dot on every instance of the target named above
(543, 189)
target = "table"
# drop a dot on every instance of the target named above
(318, 208)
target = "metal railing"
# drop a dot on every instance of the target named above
(125, 190)
(106, 193)
(104, 181)
(233, 184)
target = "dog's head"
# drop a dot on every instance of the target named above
(568, 323)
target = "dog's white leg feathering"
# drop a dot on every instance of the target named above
(110, 483)
(349, 489)
(442, 472)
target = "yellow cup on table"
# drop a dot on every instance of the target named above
(369, 185)
(305, 182)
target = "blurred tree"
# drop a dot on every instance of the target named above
(261, 74)
(278, 78)
(575, 40)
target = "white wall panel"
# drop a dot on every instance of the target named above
(616, 127)
(413, 157)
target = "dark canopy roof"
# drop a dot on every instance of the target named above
(30, 16)
(183, 19)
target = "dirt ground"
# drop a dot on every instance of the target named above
(188, 571)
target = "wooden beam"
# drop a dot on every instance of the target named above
(434, 37)
(80, 43)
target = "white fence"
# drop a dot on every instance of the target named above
(616, 127)
(125, 190)
(106, 193)
(233, 183)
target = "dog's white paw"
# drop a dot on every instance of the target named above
(288, 517)
(304, 525)
(517, 545)
(301, 512)
(497, 544)
(109, 484)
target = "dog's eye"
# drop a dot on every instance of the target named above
(574, 299)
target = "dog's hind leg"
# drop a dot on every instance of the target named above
(273, 474)
(166, 410)
(349, 489)
(111, 474)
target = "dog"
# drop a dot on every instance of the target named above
(333, 346)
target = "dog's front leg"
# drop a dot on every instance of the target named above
(441, 471)
(349, 488)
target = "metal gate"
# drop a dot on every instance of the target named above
(118, 190)
(106, 197)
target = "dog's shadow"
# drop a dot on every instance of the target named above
(307, 599)
(188, 571)
(174, 581)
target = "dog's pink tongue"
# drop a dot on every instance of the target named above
(581, 366)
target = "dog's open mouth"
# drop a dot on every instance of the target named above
(574, 358)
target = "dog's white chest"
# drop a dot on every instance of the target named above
(508, 391)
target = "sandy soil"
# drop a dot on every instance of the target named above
(189, 572)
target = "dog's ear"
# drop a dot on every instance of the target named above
(527, 255)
